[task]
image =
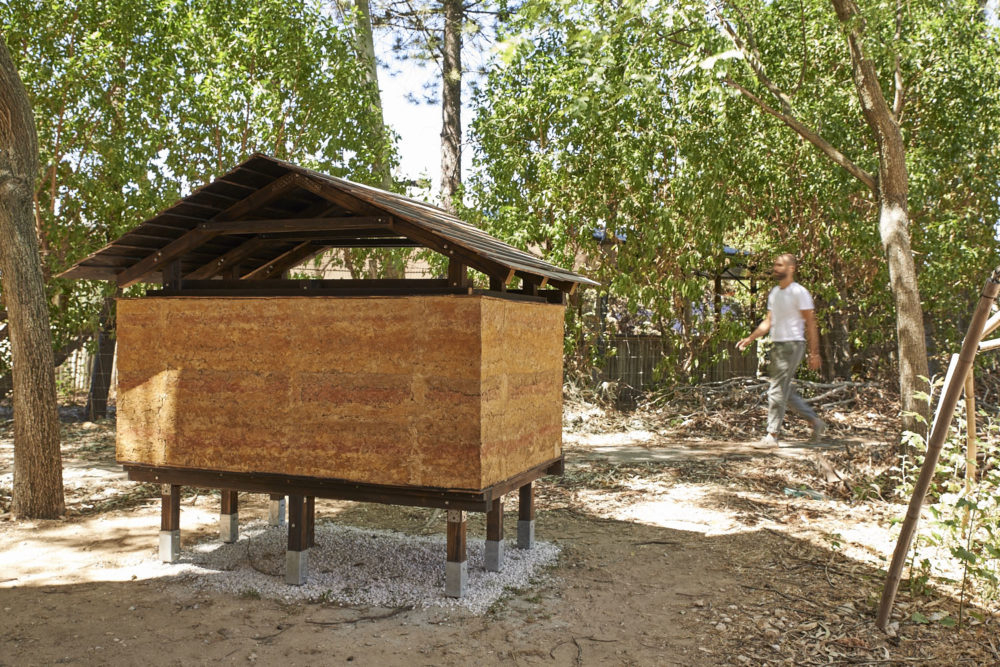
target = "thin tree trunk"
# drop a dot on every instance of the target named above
(365, 46)
(451, 104)
(38, 490)
(891, 194)
(104, 357)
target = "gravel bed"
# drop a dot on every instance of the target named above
(356, 566)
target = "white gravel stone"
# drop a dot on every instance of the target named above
(353, 566)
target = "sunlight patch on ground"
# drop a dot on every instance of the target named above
(679, 507)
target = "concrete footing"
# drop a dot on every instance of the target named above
(494, 555)
(296, 567)
(276, 512)
(170, 546)
(456, 576)
(229, 527)
(526, 534)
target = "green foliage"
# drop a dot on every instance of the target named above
(136, 102)
(583, 126)
(963, 531)
(601, 113)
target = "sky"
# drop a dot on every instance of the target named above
(419, 125)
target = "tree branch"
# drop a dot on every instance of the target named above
(897, 103)
(752, 55)
(808, 134)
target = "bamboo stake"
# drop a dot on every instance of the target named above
(945, 411)
(991, 325)
(988, 345)
(970, 445)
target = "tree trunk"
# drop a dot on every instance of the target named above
(451, 103)
(38, 491)
(891, 194)
(365, 45)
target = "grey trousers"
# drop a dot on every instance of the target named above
(785, 359)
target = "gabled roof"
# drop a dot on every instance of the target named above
(266, 216)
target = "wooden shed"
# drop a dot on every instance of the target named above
(426, 392)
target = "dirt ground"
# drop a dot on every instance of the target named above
(676, 550)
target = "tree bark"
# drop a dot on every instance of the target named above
(891, 194)
(365, 46)
(451, 103)
(38, 490)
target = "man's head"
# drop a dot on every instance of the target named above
(784, 267)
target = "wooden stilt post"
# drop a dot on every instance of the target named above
(494, 536)
(526, 517)
(310, 521)
(229, 519)
(297, 555)
(456, 570)
(276, 510)
(170, 523)
(942, 421)
(971, 447)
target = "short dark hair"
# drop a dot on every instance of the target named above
(789, 258)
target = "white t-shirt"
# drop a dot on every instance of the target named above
(786, 306)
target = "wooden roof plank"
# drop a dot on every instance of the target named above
(299, 225)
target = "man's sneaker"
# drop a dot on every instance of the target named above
(767, 442)
(819, 428)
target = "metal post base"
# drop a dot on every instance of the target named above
(296, 567)
(229, 527)
(170, 546)
(494, 555)
(276, 513)
(455, 577)
(526, 534)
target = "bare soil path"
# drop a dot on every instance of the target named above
(681, 551)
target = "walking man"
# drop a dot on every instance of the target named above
(791, 321)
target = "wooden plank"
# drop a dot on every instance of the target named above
(170, 507)
(282, 262)
(332, 283)
(526, 503)
(297, 523)
(171, 277)
(168, 253)
(335, 196)
(299, 224)
(305, 290)
(334, 235)
(458, 273)
(202, 233)
(230, 502)
(229, 259)
(451, 250)
(285, 485)
(310, 521)
(494, 521)
(456, 536)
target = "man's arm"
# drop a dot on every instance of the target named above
(812, 338)
(761, 330)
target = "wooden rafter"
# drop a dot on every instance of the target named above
(201, 234)
(298, 225)
(281, 263)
